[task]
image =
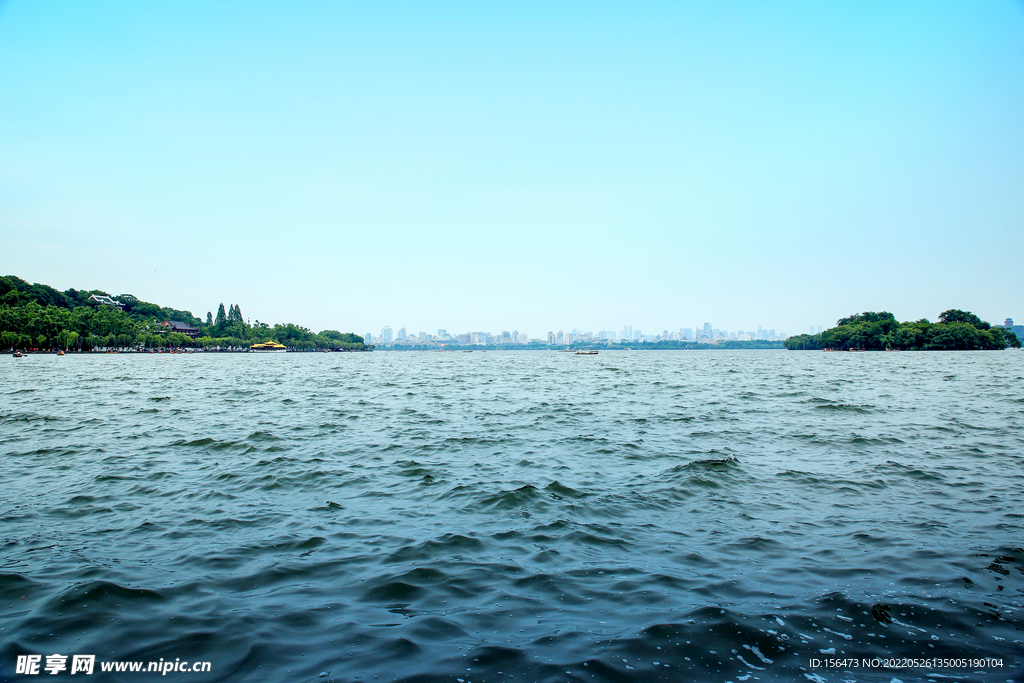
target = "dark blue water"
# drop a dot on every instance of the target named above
(514, 516)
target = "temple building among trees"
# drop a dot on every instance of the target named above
(181, 328)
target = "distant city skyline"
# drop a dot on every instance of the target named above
(523, 166)
(704, 334)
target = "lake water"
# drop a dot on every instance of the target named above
(514, 516)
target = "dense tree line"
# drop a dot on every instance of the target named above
(39, 316)
(956, 330)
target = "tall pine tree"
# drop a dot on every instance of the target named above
(222, 316)
(209, 318)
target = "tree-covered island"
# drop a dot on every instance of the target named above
(36, 316)
(956, 330)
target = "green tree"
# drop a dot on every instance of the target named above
(955, 315)
(177, 339)
(67, 339)
(1003, 337)
(866, 317)
(909, 335)
(222, 316)
(802, 342)
(955, 336)
(144, 309)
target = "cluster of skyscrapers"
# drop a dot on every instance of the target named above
(705, 334)
(388, 337)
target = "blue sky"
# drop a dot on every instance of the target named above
(488, 166)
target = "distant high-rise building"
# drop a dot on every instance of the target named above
(385, 334)
(441, 333)
(687, 334)
(771, 333)
(368, 338)
(401, 334)
(708, 331)
(761, 333)
(551, 337)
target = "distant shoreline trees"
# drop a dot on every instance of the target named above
(956, 331)
(39, 316)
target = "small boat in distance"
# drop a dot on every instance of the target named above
(586, 353)
(18, 354)
(61, 352)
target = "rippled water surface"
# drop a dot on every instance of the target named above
(507, 516)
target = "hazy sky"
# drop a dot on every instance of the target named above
(480, 166)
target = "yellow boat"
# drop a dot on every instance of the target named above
(268, 347)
